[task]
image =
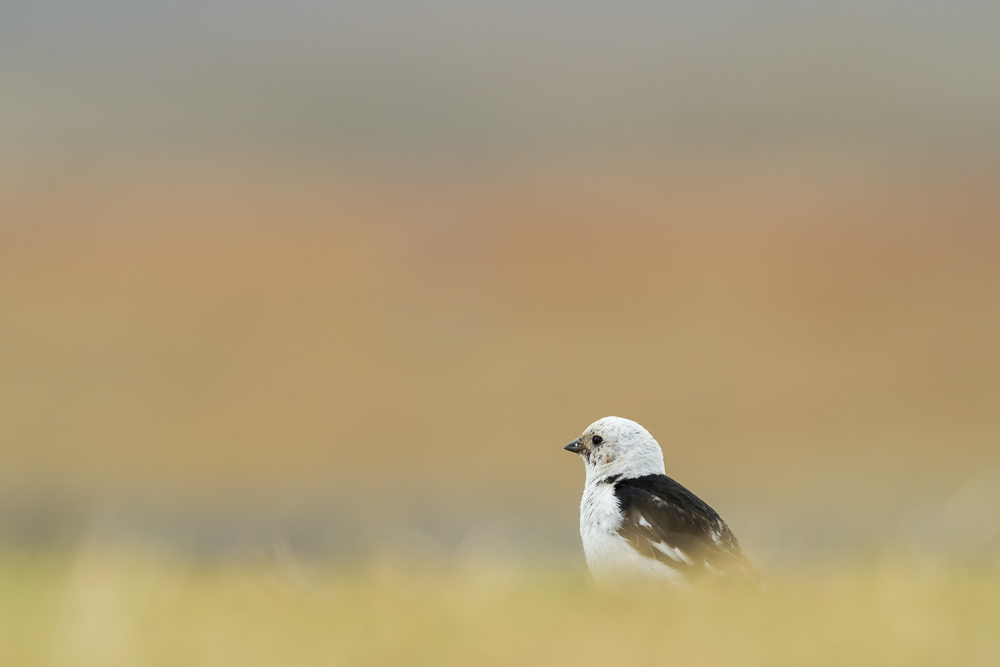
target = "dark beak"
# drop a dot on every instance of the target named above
(576, 446)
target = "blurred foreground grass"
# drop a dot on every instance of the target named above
(106, 607)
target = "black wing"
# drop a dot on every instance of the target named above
(665, 521)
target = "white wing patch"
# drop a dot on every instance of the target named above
(672, 552)
(644, 523)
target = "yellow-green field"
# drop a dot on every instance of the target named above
(106, 607)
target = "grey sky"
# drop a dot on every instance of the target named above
(491, 78)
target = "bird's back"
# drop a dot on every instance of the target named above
(654, 526)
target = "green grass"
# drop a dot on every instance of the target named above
(109, 608)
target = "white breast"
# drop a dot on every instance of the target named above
(609, 555)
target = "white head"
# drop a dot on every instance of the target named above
(617, 446)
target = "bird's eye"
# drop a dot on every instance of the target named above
(598, 439)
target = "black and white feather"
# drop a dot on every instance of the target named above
(636, 522)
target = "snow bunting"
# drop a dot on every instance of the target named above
(637, 522)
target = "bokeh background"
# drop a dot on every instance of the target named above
(304, 279)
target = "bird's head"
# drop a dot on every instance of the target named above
(617, 446)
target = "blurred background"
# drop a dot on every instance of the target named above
(343, 278)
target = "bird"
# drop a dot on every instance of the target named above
(637, 524)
